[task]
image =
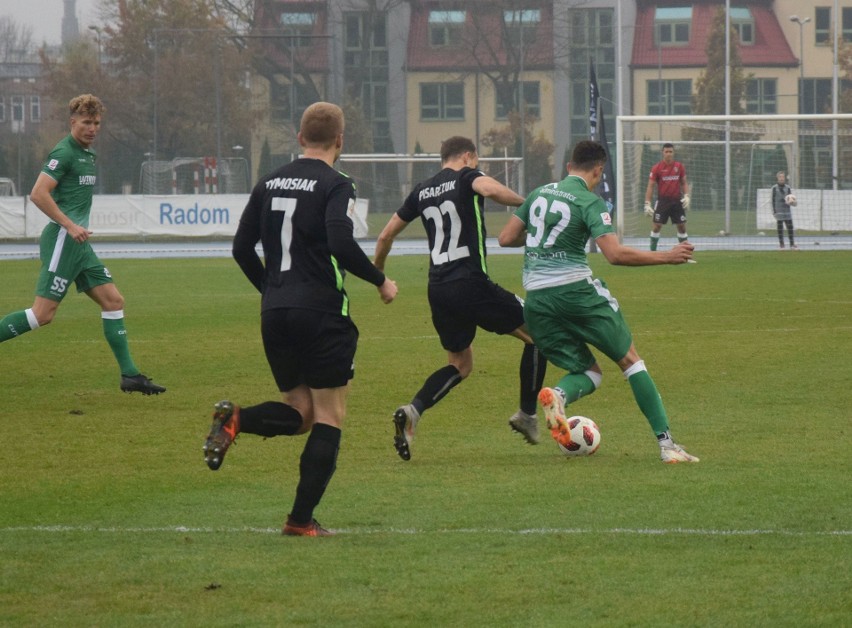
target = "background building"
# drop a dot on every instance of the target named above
(412, 72)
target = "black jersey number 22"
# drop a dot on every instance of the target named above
(454, 251)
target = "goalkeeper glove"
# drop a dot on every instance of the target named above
(649, 211)
(685, 201)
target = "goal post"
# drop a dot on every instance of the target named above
(731, 164)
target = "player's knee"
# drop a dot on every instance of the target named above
(39, 317)
(636, 367)
(596, 378)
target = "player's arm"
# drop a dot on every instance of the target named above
(649, 191)
(344, 247)
(245, 254)
(618, 254)
(514, 233)
(491, 188)
(41, 196)
(384, 243)
(350, 256)
(246, 239)
(684, 191)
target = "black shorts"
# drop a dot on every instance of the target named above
(459, 307)
(669, 208)
(309, 347)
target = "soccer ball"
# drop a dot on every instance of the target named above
(790, 199)
(585, 437)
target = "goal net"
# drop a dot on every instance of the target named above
(731, 164)
(195, 175)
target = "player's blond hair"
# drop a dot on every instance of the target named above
(86, 105)
(321, 123)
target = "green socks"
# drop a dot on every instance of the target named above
(576, 385)
(116, 335)
(647, 397)
(17, 323)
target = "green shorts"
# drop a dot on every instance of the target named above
(564, 320)
(64, 260)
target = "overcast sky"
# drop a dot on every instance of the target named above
(45, 16)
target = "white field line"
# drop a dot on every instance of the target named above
(706, 532)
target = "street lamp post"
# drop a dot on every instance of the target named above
(97, 31)
(801, 21)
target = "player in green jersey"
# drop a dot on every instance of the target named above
(567, 309)
(63, 192)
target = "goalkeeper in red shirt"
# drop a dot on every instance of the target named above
(672, 196)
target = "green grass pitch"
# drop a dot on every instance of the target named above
(109, 516)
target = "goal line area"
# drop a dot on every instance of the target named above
(731, 163)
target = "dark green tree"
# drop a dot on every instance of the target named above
(265, 164)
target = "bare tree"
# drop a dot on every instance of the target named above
(16, 40)
(171, 76)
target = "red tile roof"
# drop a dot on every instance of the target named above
(770, 48)
(311, 55)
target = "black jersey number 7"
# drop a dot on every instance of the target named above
(288, 207)
(454, 251)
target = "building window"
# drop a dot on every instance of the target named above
(374, 100)
(352, 31)
(442, 101)
(35, 109)
(366, 72)
(824, 29)
(743, 22)
(591, 36)
(670, 97)
(2, 110)
(762, 96)
(17, 108)
(298, 27)
(846, 33)
(445, 27)
(289, 101)
(822, 26)
(816, 95)
(365, 45)
(355, 30)
(671, 25)
(532, 101)
(521, 25)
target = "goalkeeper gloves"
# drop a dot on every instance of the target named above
(649, 211)
(685, 201)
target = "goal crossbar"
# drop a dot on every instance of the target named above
(823, 131)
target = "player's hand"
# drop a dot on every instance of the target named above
(388, 290)
(78, 233)
(685, 201)
(649, 211)
(681, 253)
